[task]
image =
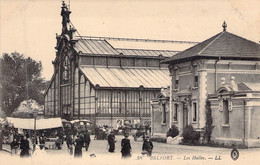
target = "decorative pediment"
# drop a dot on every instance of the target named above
(224, 89)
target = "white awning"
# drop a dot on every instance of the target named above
(40, 123)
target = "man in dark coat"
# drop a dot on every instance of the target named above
(42, 141)
(69, 142)
(14, 146)
(147, 146)
(111, 142)
(86, 140)
(25, 147)
(126, 147)
(78, 147)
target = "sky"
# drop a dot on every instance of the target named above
(30, 26)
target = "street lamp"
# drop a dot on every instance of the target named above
(35, 113)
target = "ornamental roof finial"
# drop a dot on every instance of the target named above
(224, 25)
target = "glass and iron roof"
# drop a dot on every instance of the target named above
(127, 77)
(131, 47)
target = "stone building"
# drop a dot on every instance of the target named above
(196, 73)
(235, 110)
(160, 118)
(104, 79)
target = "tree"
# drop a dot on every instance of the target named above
(20, 79)
(26, 109)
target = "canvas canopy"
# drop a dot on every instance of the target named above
(40, 123)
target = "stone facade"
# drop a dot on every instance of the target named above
(188, 92)
(238, 121)
(196, 73)
(160, 114)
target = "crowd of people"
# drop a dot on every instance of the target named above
(83, 140)
(76, 141)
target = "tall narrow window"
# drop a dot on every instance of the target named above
(194, 111)
(163, 114)
(66, 68)
(225, 112)
(175, 117)
(176, 80)
(76, 93)
(196, 77)
(82, 95)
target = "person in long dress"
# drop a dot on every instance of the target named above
(69, 142)
(126, 147)
(111, 142)
(25, 147)
(87, 140)
(78, 147)
(147, 146)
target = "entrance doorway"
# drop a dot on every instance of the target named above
(185, 115)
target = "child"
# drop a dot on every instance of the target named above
(147, 146)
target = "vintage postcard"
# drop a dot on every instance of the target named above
(130, 82)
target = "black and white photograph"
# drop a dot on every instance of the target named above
(129, 82)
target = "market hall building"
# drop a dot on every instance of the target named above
(104, 79)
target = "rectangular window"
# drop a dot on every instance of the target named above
(196, 77)
(225, 112)
(175, 117)
(163, 114)
(194, 111)
(196, 80)
(176, 79)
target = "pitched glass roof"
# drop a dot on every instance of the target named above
(132, 47)
(127, 77)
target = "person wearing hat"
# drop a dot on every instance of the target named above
(78, 147)
(14, 147)
(126, 147)
(86, 139)
(111, 142)
(25, 147)
(147, 146)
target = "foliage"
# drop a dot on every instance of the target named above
(209, 121)
(172, 132)
(20, 80)
(190, 135)
(26, 109)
